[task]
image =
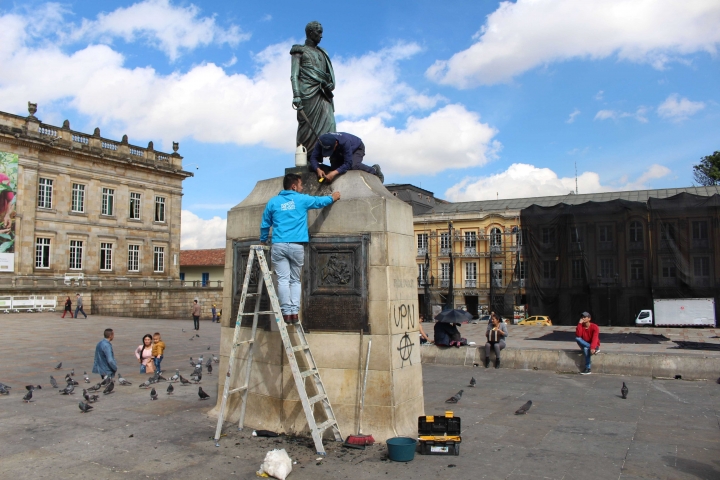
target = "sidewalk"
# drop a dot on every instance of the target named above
(524, 351)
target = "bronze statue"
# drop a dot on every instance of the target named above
(313, 82)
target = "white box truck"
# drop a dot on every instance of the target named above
(679, 312)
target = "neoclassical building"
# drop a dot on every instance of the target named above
(82, 207)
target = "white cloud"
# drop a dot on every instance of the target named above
(572, 116)
(521, 180)
(170, 28)
(599, 95)
(198, 233)
(640, 115)
(676, 108)
(451, 137)
(526, 34)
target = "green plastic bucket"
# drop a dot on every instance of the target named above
(401, 449)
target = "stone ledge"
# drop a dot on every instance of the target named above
(654, 365)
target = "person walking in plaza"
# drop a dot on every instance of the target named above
(79, 306)
(104, 364)
(214, 313)
(68, 307)
(587, 336)
(144, 354)
(196, 314)
(158, 350)
(286, 213)
(496, 334)
(346, 152)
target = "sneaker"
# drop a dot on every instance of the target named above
(379, 173)
(597, 351)
(586, 372)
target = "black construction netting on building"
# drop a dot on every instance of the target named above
(613, 258)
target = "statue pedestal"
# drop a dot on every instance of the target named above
(360, 273)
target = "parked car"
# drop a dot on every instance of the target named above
(536, 320)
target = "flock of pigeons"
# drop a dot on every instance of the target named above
(524, 409)
(107, 385)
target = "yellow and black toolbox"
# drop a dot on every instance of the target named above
(439, 435)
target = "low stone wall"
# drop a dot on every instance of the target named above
(142, 302)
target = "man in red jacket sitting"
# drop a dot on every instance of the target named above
(587, 335)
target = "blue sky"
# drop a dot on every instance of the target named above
(471, 100)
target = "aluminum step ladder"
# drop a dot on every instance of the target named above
(257, 252)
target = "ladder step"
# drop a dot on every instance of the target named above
(308, 373)
(300, 348)
(325, 425)
(244, 342)
(269, 312)
(317, 398)
(239, 389)
(251, 294)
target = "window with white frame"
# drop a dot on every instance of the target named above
(701, 267)
(108, 202)
(445, 241)
(637, 270)
(106, 252)
(668, 269)
(605, 233)
(133, 258)
(422, 241)
(547, 235)
(421, 274)
(42, 253)
(76, 254)
(45, 190)
(636, 232)
(522, 269)
(471, 271)
(158, 259)
(495, 238)
(470, 240)
(607, 267)
(160, 209)
(78, 198)
(549, 269)
(444, 272)
(578, 269)
(135, 206)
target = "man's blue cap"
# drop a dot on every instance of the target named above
(327, 143)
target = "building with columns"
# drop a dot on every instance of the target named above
(80, 207)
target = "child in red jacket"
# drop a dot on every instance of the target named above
(587, 336)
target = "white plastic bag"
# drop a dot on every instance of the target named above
(277, 464)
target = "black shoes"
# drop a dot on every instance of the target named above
(497, 363)
(487, 362)
(586, 372)
(379, 173)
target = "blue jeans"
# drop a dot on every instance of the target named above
(157, 361)
(585, 347)
(142, 368)
(80, 309)
(287, 261)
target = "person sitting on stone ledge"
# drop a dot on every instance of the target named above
(447, 335)
(346, 152)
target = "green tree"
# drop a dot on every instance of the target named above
(707, 172)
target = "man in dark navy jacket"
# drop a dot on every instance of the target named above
(346, 152)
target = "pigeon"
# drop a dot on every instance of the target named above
(209, 369)
(175, 377)
(183, 330)
(473, 382)
(85, 376)
(86, 396)
(72, 372)
(624, 391)
(108, 390)
(159, 377)
(202, 394)
(28, 396)
(53, 382)
(95, 388)
(153, 394)
(192, 338)
(192, 362)
(145, 384)
(196, 378)
(122, 380)
(197, 335)
(106, 381)
(33, 387)
(68, 390)
(69, 380)
(58, 366)
(170, 389)
(84, 407)
(455, 398)
(184, 381)
(7, 387)
(208, 347)
(4, 390)
(197, 371)
(200, 359)
(94, 398)
(524, 409)
(209, 362)
(215, 359)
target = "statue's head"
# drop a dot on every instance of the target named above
(314, 31)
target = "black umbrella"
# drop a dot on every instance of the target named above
(453, 316)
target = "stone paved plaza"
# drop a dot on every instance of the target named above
(578, 427)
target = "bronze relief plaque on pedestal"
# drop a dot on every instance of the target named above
(335, 287)
(241, 251)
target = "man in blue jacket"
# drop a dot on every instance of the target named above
(286, 213)
(105, 364)
(346, 152)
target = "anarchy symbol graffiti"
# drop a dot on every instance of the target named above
(405, 349)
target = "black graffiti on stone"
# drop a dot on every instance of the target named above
(405, 349)
(336, 272)
(404, 314)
